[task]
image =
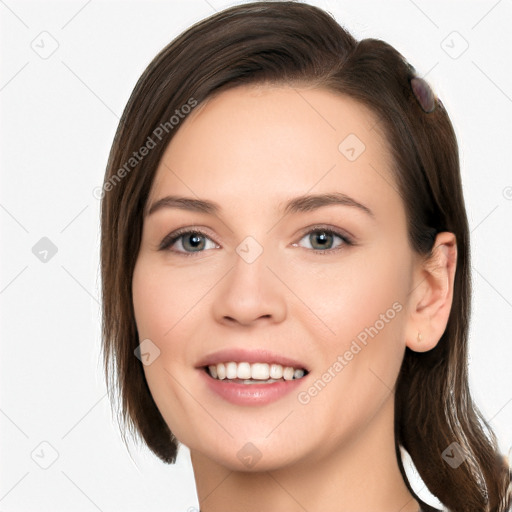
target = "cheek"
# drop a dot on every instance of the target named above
(166, 307)
(164, 296)
(358, 325)
(344, 298)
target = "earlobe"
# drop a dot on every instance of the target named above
(432, 296)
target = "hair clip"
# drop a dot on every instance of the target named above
(423, 94)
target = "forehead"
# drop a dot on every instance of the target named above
(260, 141)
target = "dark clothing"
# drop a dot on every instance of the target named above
(425, 507)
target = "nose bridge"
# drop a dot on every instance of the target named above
(251, 290)
(249, 250)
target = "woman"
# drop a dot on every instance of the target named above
(285, 272)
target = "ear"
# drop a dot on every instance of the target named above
(430, 300)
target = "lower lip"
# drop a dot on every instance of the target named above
(251, 394)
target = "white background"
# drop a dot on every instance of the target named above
(58, 118)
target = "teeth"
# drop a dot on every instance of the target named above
(243, 371)
(269, 381)
(231, 370)
(298, 374)
(288, 373)
(249, 373)
(259, 371)
(221, 371)
(276, 371)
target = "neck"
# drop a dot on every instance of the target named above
(361, 474)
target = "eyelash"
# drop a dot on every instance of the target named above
(172, 238)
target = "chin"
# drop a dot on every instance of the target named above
(250, 459)
(250, 454)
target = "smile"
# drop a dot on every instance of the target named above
(251, 377)
(255, 373)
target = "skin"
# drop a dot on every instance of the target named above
(250, 149)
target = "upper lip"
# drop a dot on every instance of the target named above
(241, 355)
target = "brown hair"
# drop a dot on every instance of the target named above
(295, 43)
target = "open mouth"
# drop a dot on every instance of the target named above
(254, 373)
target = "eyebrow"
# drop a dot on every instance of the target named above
(306, 203)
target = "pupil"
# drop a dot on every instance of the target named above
(323, 236)
(196, 240)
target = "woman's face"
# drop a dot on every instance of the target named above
(266, 283)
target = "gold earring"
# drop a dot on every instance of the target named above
(420, 337)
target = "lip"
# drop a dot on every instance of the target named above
(240, 355)
(250, 394)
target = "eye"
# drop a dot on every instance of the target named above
(321, 239)
(188, 242)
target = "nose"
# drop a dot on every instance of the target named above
(250, 293)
